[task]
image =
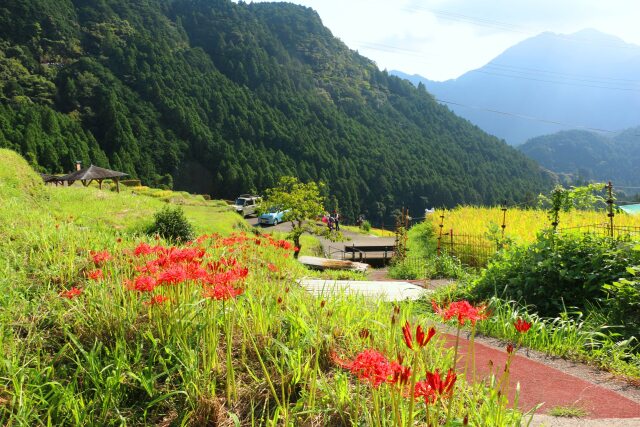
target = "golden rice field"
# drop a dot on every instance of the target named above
(522, 225)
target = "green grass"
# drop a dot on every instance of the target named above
(263, 358)
(372, 232)
(568, 412)
(582, 337)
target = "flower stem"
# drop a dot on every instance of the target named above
(455, 361)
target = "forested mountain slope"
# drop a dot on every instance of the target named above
(589, 156)
(223, 98)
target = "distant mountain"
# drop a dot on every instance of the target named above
(587, 79)
(223, 98)
(589, 156)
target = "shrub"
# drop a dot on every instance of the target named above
(555, 271)
(623, 301)
(171, 224)
(365, 226)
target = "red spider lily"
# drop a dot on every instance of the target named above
(272, 267)
(100, 257)
(368, 365)
(406, 331)
(95, 274)
(296, 249)
(422, 339)
(434, 386)
(186, 254)
(196, 272)
(235, 275)
(71, 293)
(175, 274)
(143, 284)
(509, 348)
(222, 292)
(462, 310)
(424, 390)
(156, 300)
(401, 374)
(279, 300)
(283, 244)
(150, 267)
(143, 249)
(522, 325)
(222, 264)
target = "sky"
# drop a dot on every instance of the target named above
(443, 39)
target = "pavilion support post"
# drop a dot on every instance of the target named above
(117, 185)
(99, 184)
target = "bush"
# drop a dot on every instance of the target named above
(365, 226)
(556, 271)
(433, 267)
(623, 301)
(171, 224)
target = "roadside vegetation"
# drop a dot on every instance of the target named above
(102, 324)
(579, 289)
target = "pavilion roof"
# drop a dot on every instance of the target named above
(48, 177)
(92, 172)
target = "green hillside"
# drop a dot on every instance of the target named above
(589, 156)
(222, 98)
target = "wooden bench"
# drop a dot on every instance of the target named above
(362, 252)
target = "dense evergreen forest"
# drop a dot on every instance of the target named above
(589, 156)
(222, 98)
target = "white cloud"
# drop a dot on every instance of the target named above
(442, 39)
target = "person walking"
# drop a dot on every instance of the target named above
(336, 219)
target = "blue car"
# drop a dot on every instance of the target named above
(273, 216)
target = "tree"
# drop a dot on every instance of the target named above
(301, 202)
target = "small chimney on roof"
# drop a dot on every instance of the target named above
(78, 165)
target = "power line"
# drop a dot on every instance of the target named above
(556, 82)
(521, 116)
(538, 70)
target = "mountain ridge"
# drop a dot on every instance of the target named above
(582, 80)
(223, 98)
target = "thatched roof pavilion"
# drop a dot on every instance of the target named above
(49, 179)
(93, 173)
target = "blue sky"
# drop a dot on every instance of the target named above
(442, 39)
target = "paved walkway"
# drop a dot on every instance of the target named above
(387, 291)
(540, 383)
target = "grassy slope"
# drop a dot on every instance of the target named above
(105, 357)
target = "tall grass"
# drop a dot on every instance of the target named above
(188, 353)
